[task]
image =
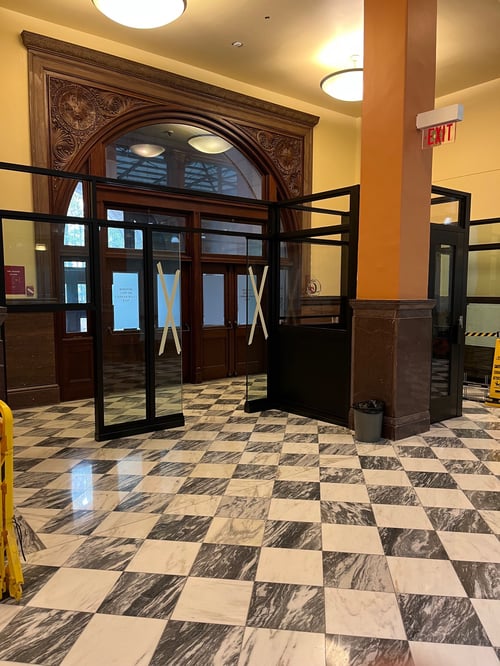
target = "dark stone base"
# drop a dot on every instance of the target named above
(33, 396)
(391, 361)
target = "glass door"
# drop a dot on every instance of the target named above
(140, 365)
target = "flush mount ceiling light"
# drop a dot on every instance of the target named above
(209, 143)
(147, 149)
(142, 14)
(346, 84)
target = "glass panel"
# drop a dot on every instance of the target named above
(442, 321)
(483, 324)
(213, 299)
(484, 269)
(231, 245)
(34, 268)
(254, 286)
(167, 319)
(444, 212)
(173, 239)
(245, 301)
(484, 233)
(168, 154)
(76, 321)
(124, 373)
(76, 206)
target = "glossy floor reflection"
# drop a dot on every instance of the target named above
(256, 539)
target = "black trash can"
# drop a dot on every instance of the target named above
(368, 418)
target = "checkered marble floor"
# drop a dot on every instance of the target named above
(256, 539)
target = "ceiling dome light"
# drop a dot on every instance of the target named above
(346, 85)
(142, 14)
(147, 149)
(209, 143)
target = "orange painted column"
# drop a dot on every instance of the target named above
(392, 316)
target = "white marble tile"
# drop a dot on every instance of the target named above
(438, 432)
(445, 453)
(259, 458)
(206, 435)
(37, 518)
(351, 539)
(224, 445)
(159, 484)
(35, 451)
(113, 640)
(333, 438)
(442, 654)
(132, 467)
(297, 473)
(480, 443)
(493, 466)
(79, 480)
(8, 613)
(363, 613)
(344, 492)
(422, 465)
(194, 505)
(98, 500)
(384, 450)
(489, 614)
(274, 647)
(386, 477)
(107, 454)
(477, 482)
(128, 525)
(238, 427)
(156, 444)
(306, 448)
(414, 575)
(55, 465)
(75, 589)
(284, 565)
(213, 470)
(165, 557)
(414, 440)
(311, 428)
(493, 520)
(347, 462)
(183, 456)
(443, 497)
(471, 547)
(236, 531)
(214, 601)
(249, 488)
(59, 547)
(22, 494)
(308, 511)
(393, 515)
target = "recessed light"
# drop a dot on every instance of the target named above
(238, 45)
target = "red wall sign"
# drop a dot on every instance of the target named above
(14, 280)
(439, 134)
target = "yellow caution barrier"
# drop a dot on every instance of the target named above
(493, 399)
(11, 575)
(480, 334)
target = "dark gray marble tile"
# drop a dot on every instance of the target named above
(25, 464)
(484, 499)
(173, 527)
(268, 472)
(399, 495)
(243, 507)
(441, 620)
(49, 499)
(73, 453)
(347, 513)
(293, 419)
(465, 467)
(363, 651)
(412, 543)
(288, 607)
(192, 445)
(203, 486)
(39, 636)
(123, 443)
(94, 466)
(355, 571)
(292, 534)
(34, 479)
(300, 459)
(145, 502)
(227, 457)
(143, 595)
(171, 433)
(431, 480)
(143, 455)
(106, 553)
(296, 490)
(122, 482)
(445, 442)
(269, 427)
(457, 520)
(341, 475)
(172, 469)
(488, 455)
(192, 644)
(481, 580)
(63, 442)
(330, 429)
(206, 427)
(415, 451)
(379, 462)
(470, 433)
(264, 447)
(244, 419)
(233, 436)
(223, 561)
(301, 437)
(75, 522)
(35, 577)
(338, 449)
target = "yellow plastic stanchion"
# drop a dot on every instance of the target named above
(493, 399)
(11, 575)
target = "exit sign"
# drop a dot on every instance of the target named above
(438, 134)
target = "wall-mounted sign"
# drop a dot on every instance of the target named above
(436, 136)
(15, 280)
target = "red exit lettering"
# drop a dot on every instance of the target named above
(436, 136)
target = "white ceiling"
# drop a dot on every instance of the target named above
(290, 45)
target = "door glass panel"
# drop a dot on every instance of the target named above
(123, 349)
(252, 288)
(246, 301)
(444, 211)
(213, 299)
(231, 245)
(167, 324)
(442, 320)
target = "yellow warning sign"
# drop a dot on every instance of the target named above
(493, 399)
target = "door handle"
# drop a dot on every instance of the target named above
(461, 322)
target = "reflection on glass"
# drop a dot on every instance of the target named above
(246, 301)
(442, 321)
(445, 212)
(483, 273)
(168, 364)
(82, 490)
(231, 245)
(75, 281)
(213, 299)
